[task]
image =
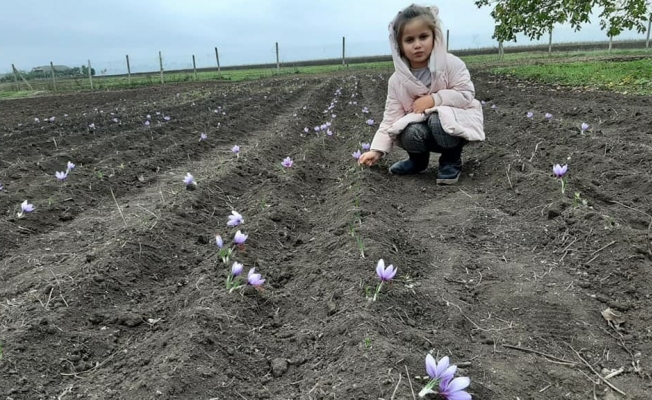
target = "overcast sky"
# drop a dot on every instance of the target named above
(70, 32)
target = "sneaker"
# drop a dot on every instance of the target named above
(417, 162)
(448, 174)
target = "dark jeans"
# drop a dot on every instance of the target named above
(422, 138)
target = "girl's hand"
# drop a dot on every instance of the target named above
(421, 104)
(370, 158)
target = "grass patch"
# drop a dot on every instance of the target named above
(619, 76)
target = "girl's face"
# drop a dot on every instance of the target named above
(417, 42)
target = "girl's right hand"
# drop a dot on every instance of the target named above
(370, 158)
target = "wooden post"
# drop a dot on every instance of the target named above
(194, 66)
(217, 57)
(128, 70)
(21, 77)
(278, 64)
(649, 27)
(611, 39)
(160, 61)
(343, 51)
(501, 50)
(15, 78)
(448, 35)
(54, 81)
(550, 42)
(90, 75)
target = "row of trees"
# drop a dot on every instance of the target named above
(533, 18)
(71, 72)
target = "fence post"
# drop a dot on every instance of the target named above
(448, 35)
(217, 57)
(649, 26)
(17, 88)
(54, 81)
(128, 71)
(550, 43)
(90, 73)
(501, 50)
(611, 39)
(343, 51)
(194, 66)
(278, 64)
(21, 77)
(160, 61)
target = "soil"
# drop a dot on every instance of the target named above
(112, 288)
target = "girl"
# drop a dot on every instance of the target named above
(430, 103)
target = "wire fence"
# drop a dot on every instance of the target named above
(232, 63)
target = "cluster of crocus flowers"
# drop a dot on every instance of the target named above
(441, 376)
(62, 175)
(559, 171)
(25, 208)
(385, 274)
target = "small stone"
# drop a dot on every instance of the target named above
(279, 366)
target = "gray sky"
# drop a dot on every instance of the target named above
(70, 32)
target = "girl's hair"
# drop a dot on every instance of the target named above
(408, 15)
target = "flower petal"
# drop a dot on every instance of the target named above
(448, 374)
(380, 268)
(431, 366)
(442, 365)
(460, 395)
(458, 384)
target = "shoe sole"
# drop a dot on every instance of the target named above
(448, 181)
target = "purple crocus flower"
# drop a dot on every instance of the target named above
(333, 115)
(370, 122)
(559, 170)
(324, 127)
(317, 128)
(116, 120)
(306, 130)
(454, 389)
(440, 371)
(61, 175)
(1, 187)
(385, 274)
(25, 207)
(203, 136)
(365, 146)
(239, 238)
(254, 279)
(584, 127)
(548, 116)
(530, 114)
(356, 154)
(147, 123)
(236, 269)
(493, 106)
(167, 117)
(219, 241)
(70, 166)
(483, 102)
(365, 110)
(235, 149)
(329, 132)
(189, 180)
(37, 120)
(287, 162)
(52, 119)
(91, 126)
(235, 219)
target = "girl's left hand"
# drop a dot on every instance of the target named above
(423, 103)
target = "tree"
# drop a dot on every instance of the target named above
(84, 70)
(533, 18)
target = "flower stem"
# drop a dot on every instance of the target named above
(563, 185)
(380, 285)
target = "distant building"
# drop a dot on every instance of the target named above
(46, 69)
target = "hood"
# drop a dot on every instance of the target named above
(437, 57)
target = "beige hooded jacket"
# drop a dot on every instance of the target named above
(451, 88)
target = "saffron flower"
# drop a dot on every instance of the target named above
(584, 127)
(167, 117)
(70, 166)
(356, 154)
(239, 238)
(329, 132)
(333, 115)
(219, 241)
(235, 219)
(559, 171)
(37, 120)
(365, 110)
(287, 162)
(115, 120)
(233, 279)
(225, 252)
(493, 106)
(385, 274)
(370, 122)
(438, 372)
(530, 114)
(365, 146)
(254, 279)
(203, 136)
(148, 116)
(306, 130)
(1, 187)
(317, 128)
(91, 126)
(454, 389)
(548, 116)
(147, 123)
(483, 102)
(236, 150)
(189, 180)
(25, 208)
(61, 175)
(236, 269)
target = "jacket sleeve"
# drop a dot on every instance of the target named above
(393, 112)
(460, 91)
